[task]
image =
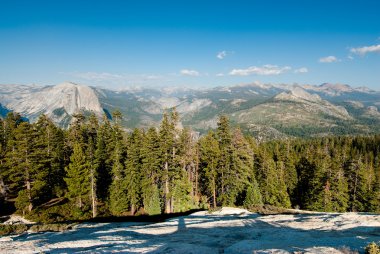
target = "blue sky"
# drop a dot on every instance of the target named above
(190, 43)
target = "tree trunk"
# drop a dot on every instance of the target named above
(171, 204)
(196, 173)
(28, 185)
(355, 187)
(214, 193)
(166, 192)
(3, 192)
(133, 209)
(28, 190)
(93, 195)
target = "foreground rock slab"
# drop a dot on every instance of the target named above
(229, 230)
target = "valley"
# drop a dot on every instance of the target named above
(265, 110)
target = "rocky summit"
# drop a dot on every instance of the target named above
(270, 111)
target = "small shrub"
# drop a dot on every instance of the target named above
(56, 227)
(268, 210)
(12, 229)
(372, 248)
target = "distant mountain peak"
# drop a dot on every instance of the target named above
(297, 93)
(59, 102)
(336, 87)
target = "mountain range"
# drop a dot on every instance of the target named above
(266, 110)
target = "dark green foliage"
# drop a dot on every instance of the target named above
(96, 168)
(118, 199)
(209, 158)
(253, 196)
(372, 248)
(133, 171)
(150, 173)
(78, 177)
(103, 160)
(12, 229)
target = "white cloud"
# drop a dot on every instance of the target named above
(365, 50)
(151, 77)
(350, 57)
(328, 59)
(116, 80)
(97, 76)
(264, 70)
(221, 55)
(301, 70)
(220, 74)
(193, 73)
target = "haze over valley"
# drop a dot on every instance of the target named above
(190, 126)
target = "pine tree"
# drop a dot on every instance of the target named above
(305, 172)
(91, 130)
(187, 158)
(242, 173)
(150, 172)
(103, 159)
(209, 159)
(118, 195)
(133, 170)
(224, 139)
(253, 196)
(50, 146)
(3, 188)
(358, 184)
(27, 167)
(118, 198)
(167, 154)
(320, 196)
(272, 181)
(375, 196)
(9, 187)
(78, 177)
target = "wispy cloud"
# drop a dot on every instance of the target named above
(151, 77)
(301, 70)
(97, 76)
(328, 59)
(116, 80)
(220, 75)
(187, 72)
(365, 50)
(264, 70)
(221, 55)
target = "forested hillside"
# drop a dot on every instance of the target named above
(97, 169)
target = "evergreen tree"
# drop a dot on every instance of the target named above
(133, 170)
(358, 184)
(224, 139)
(167, 135)
(253, 196)
(150, 172)
(91, 130)
(78, 177)
(118, 195)
(375, 196)
(50, 146)
(187, 156)
(272, 181)
(26, 167)
(241, 174)
(209, 158)
(103, 159)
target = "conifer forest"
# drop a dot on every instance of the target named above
(95, 168)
